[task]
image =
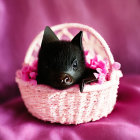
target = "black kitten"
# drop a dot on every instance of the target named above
(60, 63)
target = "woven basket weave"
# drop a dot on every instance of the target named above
(70, 106)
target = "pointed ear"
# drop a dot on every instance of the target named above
(49, 36)
(77, 40)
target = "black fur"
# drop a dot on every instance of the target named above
(60, 63)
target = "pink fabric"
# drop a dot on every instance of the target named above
(117, 21)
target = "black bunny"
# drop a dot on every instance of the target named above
(62, 63)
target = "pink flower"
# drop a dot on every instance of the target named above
(33, 82)
(101, 66)
(86, 53)
(116, 66)
(33, 75)
(34, 65)
(25, 77)
(29, 72)
(26, 69)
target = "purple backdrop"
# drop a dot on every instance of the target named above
(116, 20)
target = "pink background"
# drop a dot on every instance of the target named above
(118, 21)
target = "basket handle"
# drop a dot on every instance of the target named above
(81, 27)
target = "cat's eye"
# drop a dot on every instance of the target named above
(75, 64)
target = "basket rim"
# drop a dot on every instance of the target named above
(116, 74)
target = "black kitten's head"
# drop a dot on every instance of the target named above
(60, 63)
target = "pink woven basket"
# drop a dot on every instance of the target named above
(70, 106)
